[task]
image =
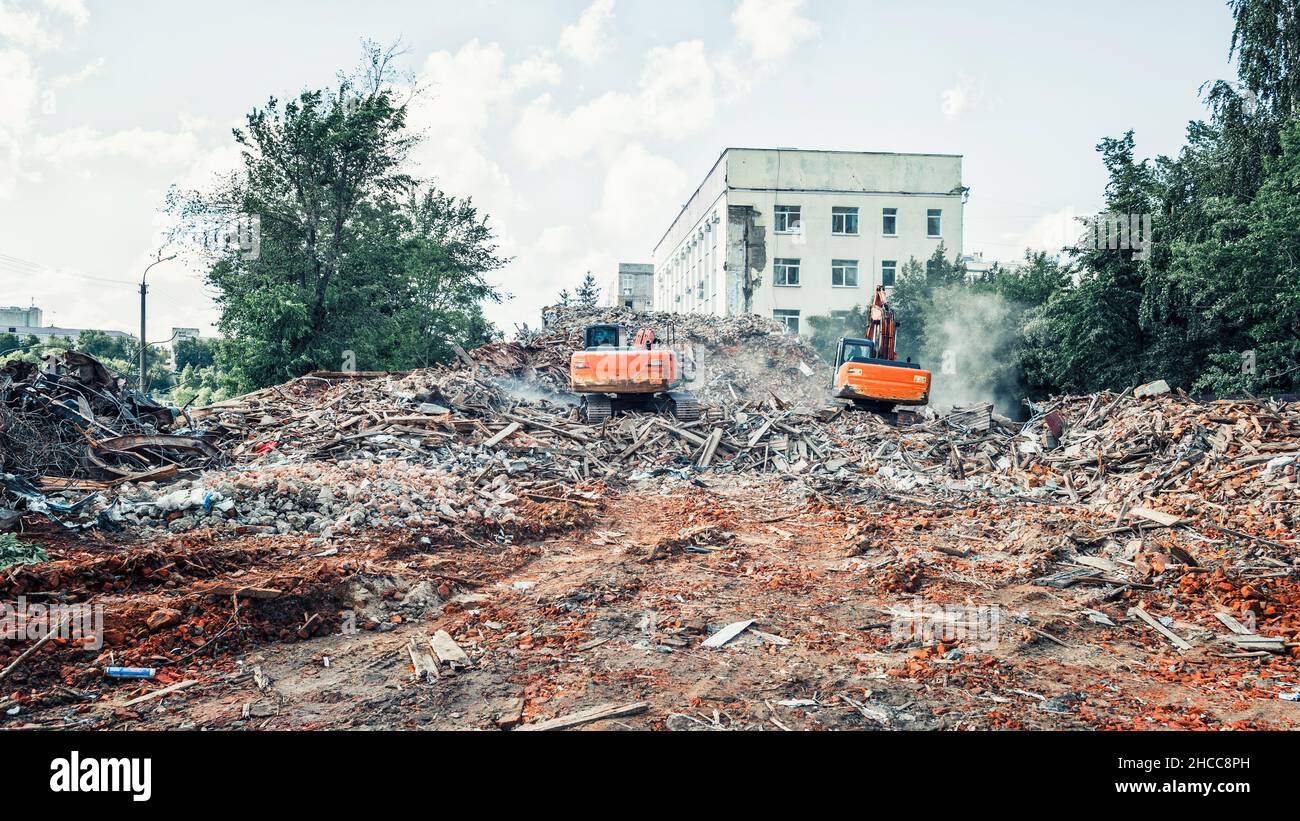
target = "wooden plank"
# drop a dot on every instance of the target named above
(502, 435)
(574, 435)
(1273, 644)
(171, 688)
(710, 447)
(587, 716)
(1177, 640)
(757, 435)
(1159, 517)
(242, 592)
(1097, 562)
(1233, 625)
(426, 666)
(726, 634)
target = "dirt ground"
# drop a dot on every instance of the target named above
(609, 600)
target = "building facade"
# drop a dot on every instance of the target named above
(25, 322)
(632, 288)
(14, 317)
(52, 333)
(791, 234)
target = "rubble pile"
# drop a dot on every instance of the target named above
(729, 359)
(466, 507)
(1229, 466)
(331, 454)
(69, 423)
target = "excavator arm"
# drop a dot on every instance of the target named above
(867, 371)
(882, 328)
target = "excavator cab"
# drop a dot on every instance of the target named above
(606, 336)
(867, 372)
(854, 350)
(616, 372)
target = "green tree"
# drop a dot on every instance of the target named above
(913, 293)
(201, 353)
(1266, 43)
(102, 346)
(827, 330)
(588, 293)
(354, 254)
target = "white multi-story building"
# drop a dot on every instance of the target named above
(792, 234)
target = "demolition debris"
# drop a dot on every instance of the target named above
(539, 572)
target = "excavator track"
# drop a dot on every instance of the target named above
(684, 406)
(596, 408)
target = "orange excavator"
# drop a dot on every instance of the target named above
(867, 372)
(613, 375)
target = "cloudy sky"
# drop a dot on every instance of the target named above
(579, 126)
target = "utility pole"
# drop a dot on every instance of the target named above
(144, 289)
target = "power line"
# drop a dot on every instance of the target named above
(18, 265)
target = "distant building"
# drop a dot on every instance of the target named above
(25, 322)
(633, 287)
(184, 333)
(15, 316)
(977, 266)
(791, 234)
(46, 333)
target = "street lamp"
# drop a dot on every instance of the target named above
(144, 289)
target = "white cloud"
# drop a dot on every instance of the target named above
(771, 28)
(81, 75)
(965, 95)
(642, 192)
(534, 71)
(83, 144)
(24, 28)
(210, 165)
(19, 88)
(557, 259)
(1053, 231)
(587, 39)
(453, 114)
(556, 240)
(675, 98)
(74, 10)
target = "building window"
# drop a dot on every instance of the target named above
(933, 217)
(889, 222)
(787, 219)
(844, 273)
(844, 220)
(790, 319)
(785, 272)
(888, 272)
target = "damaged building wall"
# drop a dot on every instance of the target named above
(746, 257)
